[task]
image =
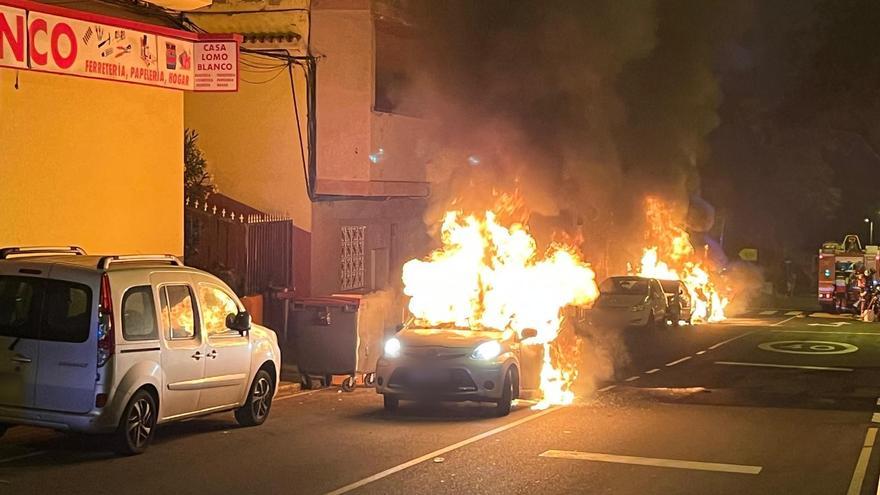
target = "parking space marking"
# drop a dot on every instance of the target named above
(730, 340)
(299, 394)
(858, 477)
(875, 418)
(769, 312)
(700, 353)
(652, 461)
(831, 332)
(23, 456)
(794, 313)
(605, 389)
(783, 322)
(632, 378)
(440, 452)
(788, 366)
(651, 372)
(677, 361)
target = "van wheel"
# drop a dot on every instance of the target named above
(138, 424)
(391, 403)
(259, 400)
(502, 407)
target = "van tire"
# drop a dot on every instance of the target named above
(259, 401)
(137, 426)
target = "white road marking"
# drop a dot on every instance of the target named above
(24, 456)
(439, 452)
(823, 332)
(769, 312)
(678, 361)
(858, 477)
(836, 324)
(650, 372)
(789, 366)
(783, 322)
(875, 418)
(794, 313)
(699, 353)
(299, 394)
(652, 461)
(729, 340)
(878, 401)
(605, 389)
(632, 378)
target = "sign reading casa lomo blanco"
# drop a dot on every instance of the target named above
(109, 50)
(217, 66)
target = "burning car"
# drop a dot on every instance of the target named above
(630, 301)
(458, 364)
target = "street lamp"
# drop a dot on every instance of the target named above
(870, 230)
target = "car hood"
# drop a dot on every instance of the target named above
(447, 337)
(619, 301)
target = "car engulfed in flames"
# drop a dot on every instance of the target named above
(671, 256)
(487, 275)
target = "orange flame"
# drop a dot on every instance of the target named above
(488, 275)
(708, 305)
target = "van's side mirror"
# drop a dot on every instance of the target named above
(529, 333)
(240, 322)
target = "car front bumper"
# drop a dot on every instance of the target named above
(460, 379)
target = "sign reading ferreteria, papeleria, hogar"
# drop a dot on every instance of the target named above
(46, 38)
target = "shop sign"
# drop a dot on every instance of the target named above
(62, 45)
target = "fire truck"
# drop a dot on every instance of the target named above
(839, 267)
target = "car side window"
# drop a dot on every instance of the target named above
(179, 320)
(215, 305)
(139, 314)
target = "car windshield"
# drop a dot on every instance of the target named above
(624, 285)
(417, 323)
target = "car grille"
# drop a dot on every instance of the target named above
(435, 353)
(432, 380)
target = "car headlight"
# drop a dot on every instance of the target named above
(487, 350)
(392, 348)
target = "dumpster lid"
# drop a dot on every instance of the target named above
(334, 300)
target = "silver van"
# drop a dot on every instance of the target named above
(120, 344)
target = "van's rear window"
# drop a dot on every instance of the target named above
(39, 308)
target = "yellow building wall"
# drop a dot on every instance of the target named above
(251, 142)
(91, 163)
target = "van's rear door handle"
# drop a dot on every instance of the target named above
(197, 355)
(18, 358)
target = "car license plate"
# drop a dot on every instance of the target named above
(429, 375)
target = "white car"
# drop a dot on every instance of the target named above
(630, 301)
(455, 364)
(119, 344)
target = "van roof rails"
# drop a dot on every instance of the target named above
(19, 251)
(105, 261)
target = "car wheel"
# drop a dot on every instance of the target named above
(138, 424)
(259, 401)
(391, 403)
(502, 407)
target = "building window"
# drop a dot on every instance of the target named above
(351, 274)
(393, 88)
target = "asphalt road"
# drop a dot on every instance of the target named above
(764, 404)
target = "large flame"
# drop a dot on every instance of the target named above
(488, 275)
(669, 237)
